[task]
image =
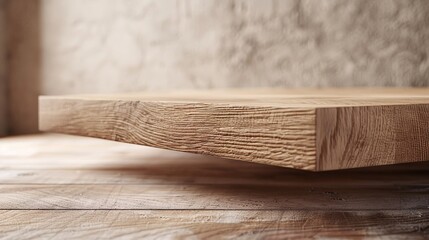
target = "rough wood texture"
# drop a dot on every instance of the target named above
(197, 224)
(367, 136)
(305, 129)
(207, 196)
(68, 187)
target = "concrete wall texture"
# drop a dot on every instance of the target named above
(116, 46)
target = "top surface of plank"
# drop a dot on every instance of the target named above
(313, 98)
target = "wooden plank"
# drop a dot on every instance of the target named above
(87, 224)
(198, 128)
(313, 130)
(384, 135)
(212, 196)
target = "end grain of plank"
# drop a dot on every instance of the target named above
(364, 136)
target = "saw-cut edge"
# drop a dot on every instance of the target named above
(350, 137)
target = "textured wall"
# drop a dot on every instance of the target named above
(116, 45)
(3, 92)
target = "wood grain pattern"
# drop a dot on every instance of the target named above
(68, 187)
(79, 224)
(212, 196)
(380, 135)
(268, 135)
(306, 129)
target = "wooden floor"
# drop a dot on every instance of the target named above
(61, 187)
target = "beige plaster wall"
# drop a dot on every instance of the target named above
(116, 45)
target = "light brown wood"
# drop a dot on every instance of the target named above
(304, 129)
(197, 224)
(59, 186)
(368, 136)
(211, 196)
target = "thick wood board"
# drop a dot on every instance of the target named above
(305, 129)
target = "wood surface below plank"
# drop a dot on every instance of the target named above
(211, 196)
(103, 174)
(305, 129)
(68, 187)
(197, 224)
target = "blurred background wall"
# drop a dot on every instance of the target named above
(24, 61)
(90, 46)
(3, 62)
